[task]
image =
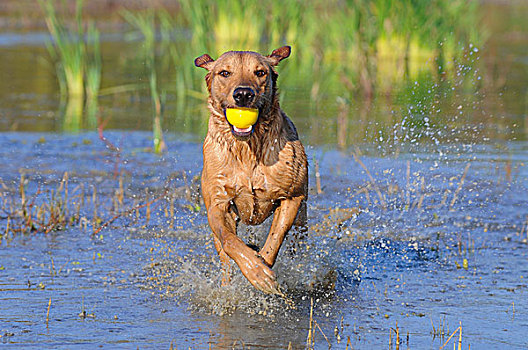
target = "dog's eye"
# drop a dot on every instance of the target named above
(260, 73)
(224, 73)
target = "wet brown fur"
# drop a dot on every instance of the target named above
(249, 179)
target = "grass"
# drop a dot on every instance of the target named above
(372, 43)
(76, 54)
(395, 341)
(459, 331)
(115, 201)
(44, 209)
(146, 24)
(355, 51)
(93, 75)
(67, 49)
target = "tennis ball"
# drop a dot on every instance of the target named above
(242, 118)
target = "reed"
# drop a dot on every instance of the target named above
(459, 331)
(355, 50)
(67, 48)
(93, 75)
(372, 41)
(48, 312)
(48, 208)
(76, 54)
(350, 50)
(94, 66)
(310, 337)
(145, 23)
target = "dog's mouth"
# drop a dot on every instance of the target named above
(241, 133)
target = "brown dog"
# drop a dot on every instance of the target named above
(248, 174)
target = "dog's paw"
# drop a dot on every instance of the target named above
(260, 275)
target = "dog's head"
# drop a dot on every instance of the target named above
(242, 79)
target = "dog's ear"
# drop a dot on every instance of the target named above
(204, 61)
(279, 54)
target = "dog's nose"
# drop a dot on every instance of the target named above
(243, 96)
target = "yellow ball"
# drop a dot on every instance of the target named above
(242, 118)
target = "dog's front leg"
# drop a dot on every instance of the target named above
(249, 262)
(282, 222)
(224, 260)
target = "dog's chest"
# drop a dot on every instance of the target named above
(253, 186)
(254, 194)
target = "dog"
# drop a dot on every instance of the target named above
(249, 174)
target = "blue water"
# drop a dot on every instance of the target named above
(368, 269)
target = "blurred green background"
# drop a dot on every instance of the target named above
(379, 71)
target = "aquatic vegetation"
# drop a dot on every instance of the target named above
(385, 263)
(380, 50)
(76, 55)
(46, 209)
(357, 63)
(350, 50)
(67, 49)
(146, 24)
(373, 44)
(93, 75)
(25, 215)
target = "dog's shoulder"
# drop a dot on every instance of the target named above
(290, 131)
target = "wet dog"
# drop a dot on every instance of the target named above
(251, 173)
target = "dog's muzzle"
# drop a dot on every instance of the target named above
(241, 134)
(243, 96)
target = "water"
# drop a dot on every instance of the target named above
(147, 284)
(421, 224)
